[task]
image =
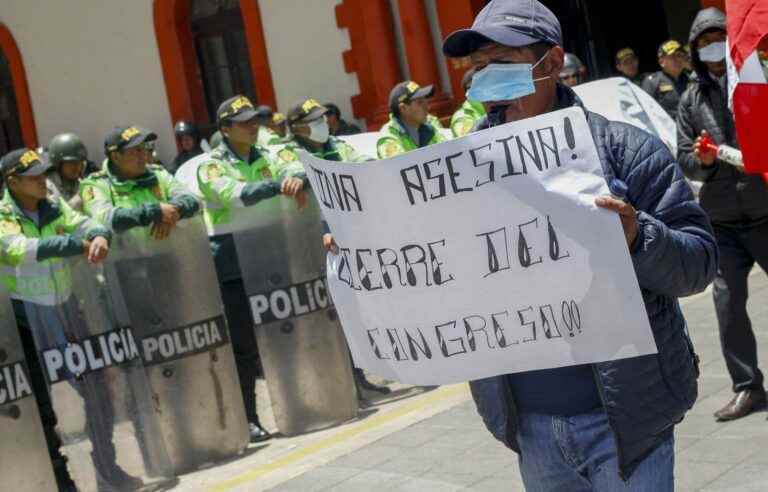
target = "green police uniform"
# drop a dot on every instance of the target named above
(31, 251)
(394, 138)
(465, 118)
(335, 149)
(227, 182)
(311, 112)
(123, 204)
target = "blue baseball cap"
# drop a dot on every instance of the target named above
(512, 23)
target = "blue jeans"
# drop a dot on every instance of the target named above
(578, 454)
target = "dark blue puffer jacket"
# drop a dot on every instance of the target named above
(675, 255)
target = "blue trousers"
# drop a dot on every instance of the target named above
(578, 454)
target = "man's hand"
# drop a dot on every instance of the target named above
(329, 243)
(707, 159)
(627, 214)
(161, 230)
(170, 214)
(96, 250)
(291, 186)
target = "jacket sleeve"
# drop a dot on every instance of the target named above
(80, 226)
(98, 205)
(686, 136)
(219, 188)
(179, 195)
(675, 253)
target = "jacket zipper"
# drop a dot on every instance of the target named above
(601, 392)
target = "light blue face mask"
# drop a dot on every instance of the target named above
(504, 81)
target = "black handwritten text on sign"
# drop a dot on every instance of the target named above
(533, 151)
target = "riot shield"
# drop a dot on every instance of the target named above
(98, 389)
(167, 292)
(302, 348)
(24, 460)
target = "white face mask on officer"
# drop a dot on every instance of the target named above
(319, 131)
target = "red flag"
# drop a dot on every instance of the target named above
(747, 24)
(747, 27)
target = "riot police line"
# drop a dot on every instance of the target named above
(121, 375)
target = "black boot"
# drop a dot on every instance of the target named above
(362, 383)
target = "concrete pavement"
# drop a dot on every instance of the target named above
(425, 441)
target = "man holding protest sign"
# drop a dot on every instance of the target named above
(605, 426)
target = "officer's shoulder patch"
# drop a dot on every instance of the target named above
(388, 147)
(9, 226)
(87, 193)
(462, 126)
(211, 170)
(287, 154)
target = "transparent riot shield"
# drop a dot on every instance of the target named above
(24, 460)
(301, 344)
(167, 292)
(98, 389)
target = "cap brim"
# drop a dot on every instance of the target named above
(426, 91)
(313, 114)
(35, 169)
(466, 41)
(246, 115)
(140, 139)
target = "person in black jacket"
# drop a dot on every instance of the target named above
(737, 204)
(668, 84)
(606, 426)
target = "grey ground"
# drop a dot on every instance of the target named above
(453, 451)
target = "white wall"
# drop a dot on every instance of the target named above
(304, 46)
(91, 65)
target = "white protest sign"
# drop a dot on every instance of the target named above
(618, 99)
(481, 256)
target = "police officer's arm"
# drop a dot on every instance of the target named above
(179, 195)
(354, 155)
(686, 137)
(650, 85)
(221, 188)
(286, 164)
(17, 249)
(97, 204)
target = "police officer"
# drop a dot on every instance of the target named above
(279, 125)
(38, 231)
(628, 65)
(267, 136)
(240, 174)
(410, 126)
(668, 84)
(311, 132)
(68, 157)
(573, 72)
(130, 193)
(338, 125)
(465, 118)
(188, 138)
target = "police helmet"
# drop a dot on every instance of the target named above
(66, 147)
(185, 128)
(571, 63)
